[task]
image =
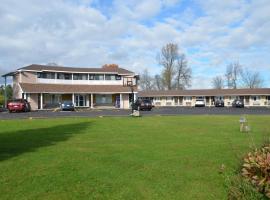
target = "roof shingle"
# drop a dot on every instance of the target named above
(206, 92)
(59, 88)
(106, 68)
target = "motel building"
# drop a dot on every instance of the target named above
(251, 97)
(45, 87)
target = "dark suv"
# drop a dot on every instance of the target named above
(19, 105)
(67, 106)
(219, 103)
(143, 104)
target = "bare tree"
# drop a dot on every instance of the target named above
(233, 72)
(158, 82)
(218, 82)
(146, 81)
(183, 73)
(167, 58)
(251, 79)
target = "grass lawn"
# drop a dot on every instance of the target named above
(176, 157)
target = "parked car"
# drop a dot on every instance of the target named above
(143, 104)
(237, 103)
(200, 102)
(219, 103)
(18, 105)
(67, 106)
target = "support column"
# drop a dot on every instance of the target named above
(121, 101)
(41, 101)
(135, 96)
(73, 99)
(87, 100)
(5, 95)
(92, 100)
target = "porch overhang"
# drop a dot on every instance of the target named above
(66, 89)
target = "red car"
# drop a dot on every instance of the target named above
(19, 105)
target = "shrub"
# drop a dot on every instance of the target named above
(241, 189)
(256, 169)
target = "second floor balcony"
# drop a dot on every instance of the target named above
(83, 79)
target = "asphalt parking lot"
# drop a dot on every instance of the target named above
(155, 111)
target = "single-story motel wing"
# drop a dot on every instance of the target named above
(250, 97)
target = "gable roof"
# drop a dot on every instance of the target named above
(104, 69)
(206, 92)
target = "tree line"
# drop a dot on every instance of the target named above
(2, 94)
(177, 75)
(236, 76)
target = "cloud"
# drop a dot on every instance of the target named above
(131, 33)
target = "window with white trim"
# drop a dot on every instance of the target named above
(80, 76)
(256, 98)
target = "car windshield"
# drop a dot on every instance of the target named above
(67, 102)
(146, 101)
(16, 100)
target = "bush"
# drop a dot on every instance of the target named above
(241, 189)
(256, 169)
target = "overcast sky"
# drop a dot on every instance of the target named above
(91, 33)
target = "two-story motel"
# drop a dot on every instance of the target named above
(250, 97)
(46, 86)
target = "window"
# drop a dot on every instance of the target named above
(219, 98)
(91, 76)
(110, 77)
(99, 77)
(64, 76)
(234, 97)
(80, 76)
(187, 98)
(96, 76)
(255, 98)
(47, 75)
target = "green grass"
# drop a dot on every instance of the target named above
(122, 158)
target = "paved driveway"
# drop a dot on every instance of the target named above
(155, 111)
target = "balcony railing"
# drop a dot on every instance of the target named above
(80, 82)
